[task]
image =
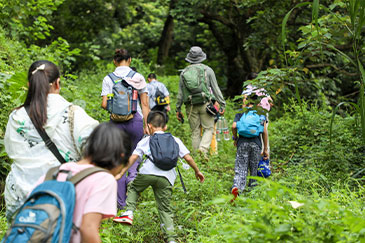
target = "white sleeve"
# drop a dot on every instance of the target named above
(140, 149)
(183, 150)
(165, 91)
(144, 90)
(107, 87)
(83, 126)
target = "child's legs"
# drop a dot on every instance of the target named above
(241, 167)
(138, 185)
(163, 192)
(253, 160)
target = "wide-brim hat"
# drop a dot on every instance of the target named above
(195, 55)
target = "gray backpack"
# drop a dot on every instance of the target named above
(122, 103)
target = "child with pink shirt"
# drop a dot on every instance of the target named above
(96, 196)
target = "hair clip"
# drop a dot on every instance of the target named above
(40, 67)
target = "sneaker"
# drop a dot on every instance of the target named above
(234, 192)
(124, 219)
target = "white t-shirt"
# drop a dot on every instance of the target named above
(149, 168)
(152, 88)
(122, 71)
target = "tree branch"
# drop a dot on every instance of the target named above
(217, 17)
(332, 66)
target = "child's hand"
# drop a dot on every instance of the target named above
(118, 176)
(200, 176)
(265, 154)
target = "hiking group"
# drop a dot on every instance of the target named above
(69, 172)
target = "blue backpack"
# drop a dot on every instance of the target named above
(251, 124)
(46, 215)
(121, 103)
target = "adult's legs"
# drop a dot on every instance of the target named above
(207, 123)
(194, 122)
(134, 129)
(241, 167)
(163, 192)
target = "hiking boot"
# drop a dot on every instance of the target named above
(234, 192)
(125, 218)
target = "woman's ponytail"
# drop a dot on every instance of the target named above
(41, 75)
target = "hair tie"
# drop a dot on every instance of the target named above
(40, 67)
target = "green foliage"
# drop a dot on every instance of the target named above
(28, 19)
(270, 213)
(303, 171)
(326, 34)
(305, 138)
(324, 62)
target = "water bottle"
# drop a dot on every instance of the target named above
(134, 100)
(219, 129)
(225, 129)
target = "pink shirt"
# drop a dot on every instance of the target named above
(97, 193)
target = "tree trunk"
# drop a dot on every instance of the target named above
(166, 37)
(240, 62)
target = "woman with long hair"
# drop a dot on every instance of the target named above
(67, 125)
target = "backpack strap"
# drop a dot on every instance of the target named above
(50, 145)
(131, 74)
(114, 77)
(85, 173)
(71, 117)
(52, 173)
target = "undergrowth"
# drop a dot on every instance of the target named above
(314, 195)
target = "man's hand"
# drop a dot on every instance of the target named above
(179, 116)
(168, 108)
(200, 176)
(219, 108)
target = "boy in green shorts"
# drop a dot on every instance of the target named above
(151, 174)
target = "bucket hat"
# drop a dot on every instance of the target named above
(195, 55)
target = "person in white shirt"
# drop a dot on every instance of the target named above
(161, 181)
(48, 110)
(153, 86)
(133, 127)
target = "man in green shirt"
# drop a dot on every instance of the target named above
(197, 88)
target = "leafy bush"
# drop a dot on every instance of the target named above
(304, 138)
(307, 170)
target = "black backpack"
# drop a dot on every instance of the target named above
(164, 150)
(161, 99)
